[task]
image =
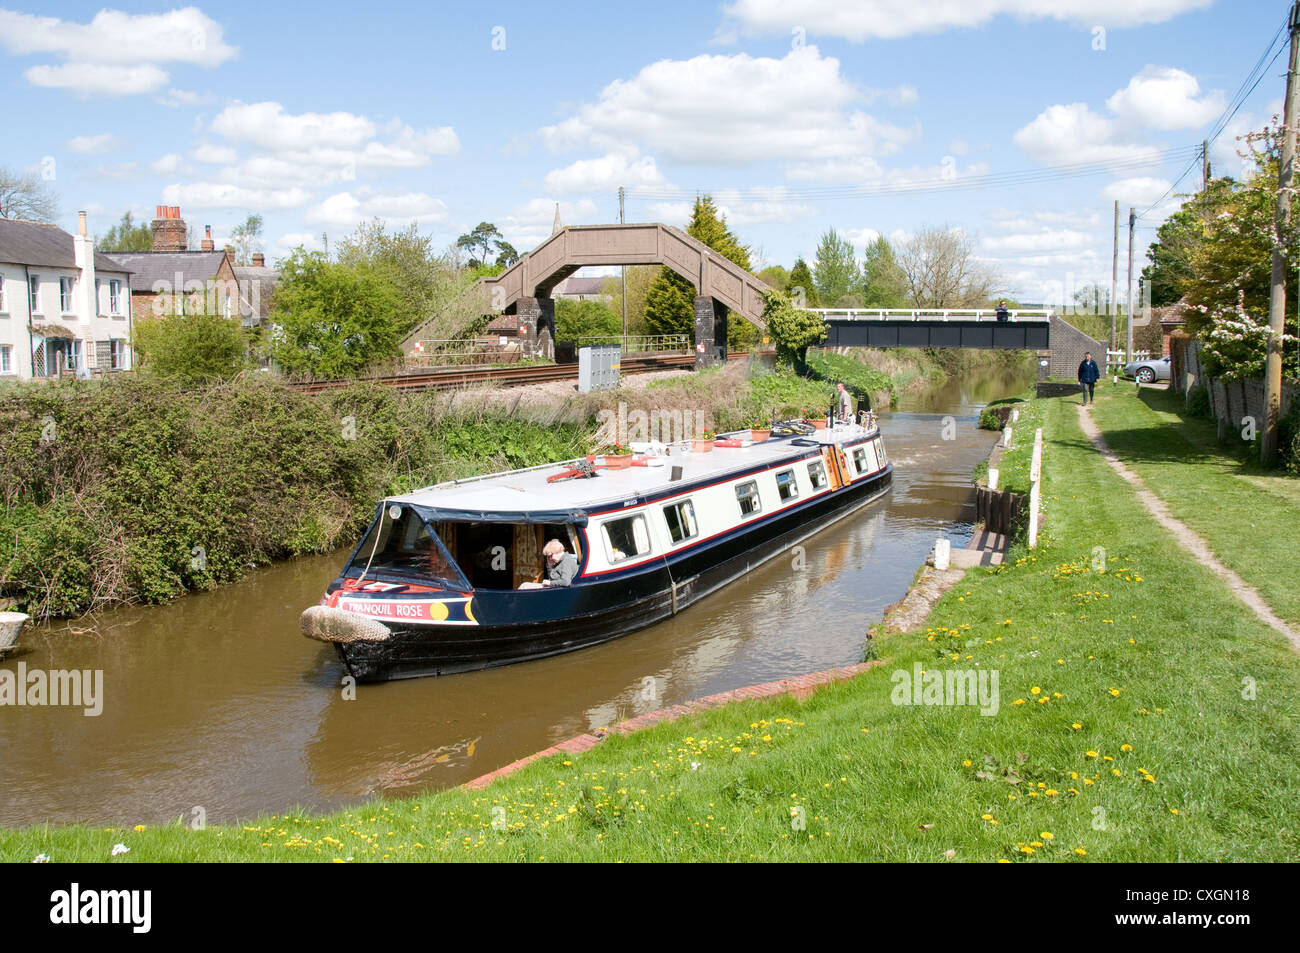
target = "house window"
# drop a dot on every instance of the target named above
(34, 293)
(681, 521)
(114, 296)
(626, 538)
(65, 295)
(6, 359)
(817, 474)
(747, 497)
(786, 487)
(116, 354)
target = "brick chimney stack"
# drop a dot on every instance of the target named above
(169, 233)
(230, 255)
(208, 244)
(259, 260)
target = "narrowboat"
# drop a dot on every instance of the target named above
(445, 579)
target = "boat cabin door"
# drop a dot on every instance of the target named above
(837, 466)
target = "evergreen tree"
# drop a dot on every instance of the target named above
(801, 277)
(884, 284)
(670, 301)
(836, 270)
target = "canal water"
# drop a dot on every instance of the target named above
(216, 702)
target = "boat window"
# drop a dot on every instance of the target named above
(681, 521)
(786, 488)
(747, 496)
(626, 538)
(860, 459)
(880, 451)
(401, 542)
(817, 474)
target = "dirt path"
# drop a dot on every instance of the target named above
(1186, 538)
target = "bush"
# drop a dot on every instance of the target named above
(859, 380)
(1198, 401)
(191, 348)
(1289, 439)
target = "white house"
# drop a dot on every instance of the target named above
(63, 306)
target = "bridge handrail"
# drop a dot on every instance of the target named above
(929, 314)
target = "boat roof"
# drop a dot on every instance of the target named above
(517, 493)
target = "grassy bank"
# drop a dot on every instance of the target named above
(1240, 508)
(1123, 733)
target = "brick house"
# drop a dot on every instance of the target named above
(64, 307)
(172, 279)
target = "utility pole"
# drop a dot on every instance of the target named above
(1132, 221)
(1114, 274)
(1205, 165)
(621, 193)
(1277, 295)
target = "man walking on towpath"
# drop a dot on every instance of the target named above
(1089, 372)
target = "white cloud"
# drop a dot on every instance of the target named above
(86, 79)
(93, 145)
(225, 195)
(268, 126)
(291, 240)
(313, 149)
(761, 205)
(889, 19)
(528, 225)
(860, 236)
(1165, 98)
(116, 53)
(347, 209)
(181, 97)
(733, 109)
(170, 164)
(1138, 191)
(866, 172)
(605, 174)
(1074, 133)
(1159, 97)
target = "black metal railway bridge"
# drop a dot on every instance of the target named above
(968, 328)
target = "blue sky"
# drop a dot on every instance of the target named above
(319, 117)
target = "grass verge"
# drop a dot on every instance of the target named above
(1243, 510)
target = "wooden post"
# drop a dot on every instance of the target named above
(1035, 476)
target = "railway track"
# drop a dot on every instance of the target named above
(454, 377)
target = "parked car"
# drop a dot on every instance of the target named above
(1148, 372)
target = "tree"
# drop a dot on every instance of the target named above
(774, 276)
(247, 239)
(942, 270)
(835, 271)
(485, 244)
(884, 283)
(800, 287)
(1231, 268)
(127, 236)
(792, 329)
(670, 300)
(333, 319)
(576, 319)
(425, 280)
(26, 197)
(191, 348)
